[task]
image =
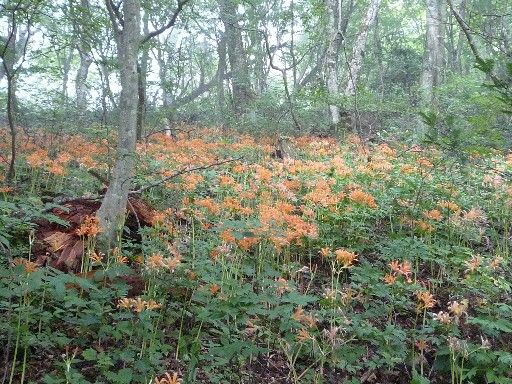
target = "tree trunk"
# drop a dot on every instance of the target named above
(434, 49)
(8, 61)
(81, 80)
(461, 39)
(356, 62)
(113, 207)
(331, 60)
(86, 59)
(241, 86)
(221, 73)
(66, 67)
(142, 70)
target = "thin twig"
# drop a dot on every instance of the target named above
(182, 172)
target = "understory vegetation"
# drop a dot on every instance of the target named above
(255, 191)
(348, 262)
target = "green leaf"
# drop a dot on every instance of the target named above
(418, 379)
(90, 354)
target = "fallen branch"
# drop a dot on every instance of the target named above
(182, 172)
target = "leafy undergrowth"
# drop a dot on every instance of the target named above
(349, 263)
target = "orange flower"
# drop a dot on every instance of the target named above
(404, 269)
(421, 344)
(424, 162)
(303, 336)
(214, 289)
(324, 252)
(248, 242)
(28, 266)
(138, 305)
(424, 226)
(56, 169)
(6, 189)
(443, 317)
(168, 379)
(458, 309)
(425, 300)
(90, 227)
(155, 261)
(37, 158)
(363, 198)
(345, 257)
(473, 264)
(124, 303)
(301, 317)
(95, 258)
(172, 262)
(434, 214)
(227, 236)
(496, 262)
(226, 181)
(191, 180)
(209, 204)
(390, 279)
(152, 305)
(450, 205)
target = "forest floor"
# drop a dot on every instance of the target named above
(241, 262)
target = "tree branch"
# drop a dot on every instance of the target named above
(182, 172)
(172, 21)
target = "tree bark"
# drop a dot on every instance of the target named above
(9, 58)
(142, 70)
(81, 79)
(331, 59)
(113, 207)
(240, 83)
(126, 26)
(434, 50)
(86, 59)
(356, 63)
(221, 72)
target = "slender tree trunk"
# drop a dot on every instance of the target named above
(461, 39)
(113, 207)
(11, 122)
(66, 67)
(142, 70)
(81, 80)
(8, 63)
(331, 60)
(86, 59)
(356, 62)
(221, 73)
(241, 85)
(434, 57)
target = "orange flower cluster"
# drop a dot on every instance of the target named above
(399, 269)
(89, 228)
(345, 258)
(157, 262)
(168, 379)
(425, 300)
(282, 226)
(433, 214)
(322, 194)
(138, 305)
(300, 316)
(360, 197)
(28, 266)
(450, 205)
(209, 204)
